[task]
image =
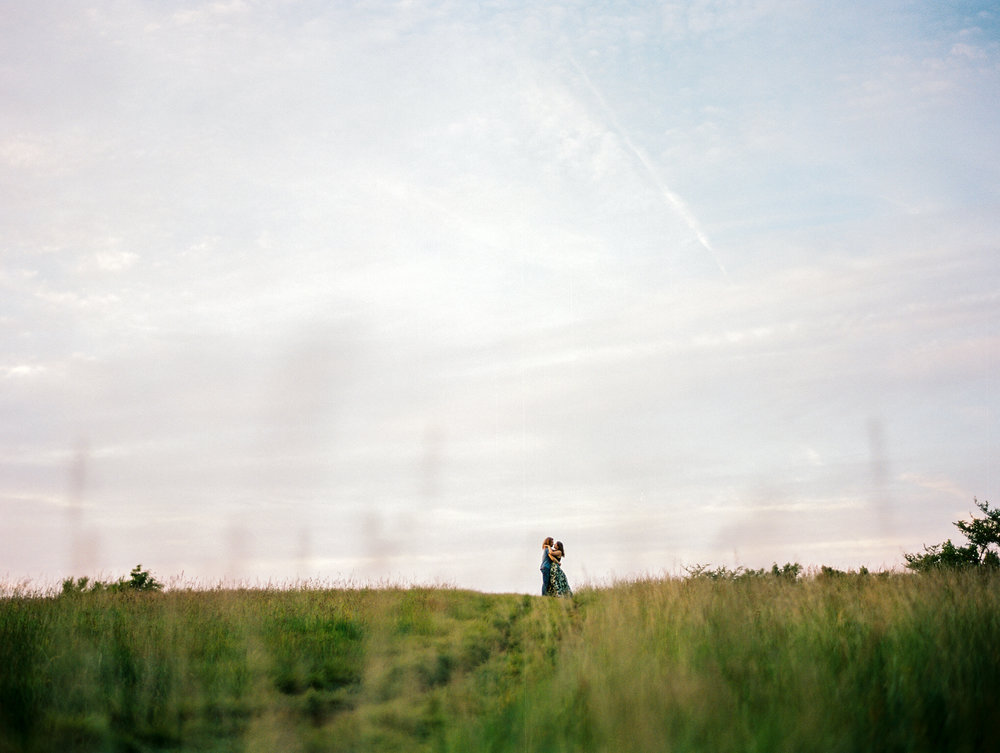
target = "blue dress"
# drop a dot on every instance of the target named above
(558, 585)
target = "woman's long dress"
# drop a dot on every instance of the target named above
(558, 585)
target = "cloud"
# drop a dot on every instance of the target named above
(374, 270)
(22, 370)
(673, 201)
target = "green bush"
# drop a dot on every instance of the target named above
(139, 580)
(788, 571)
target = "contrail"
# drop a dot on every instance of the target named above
(673, 201)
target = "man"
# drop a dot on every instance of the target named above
(546, 567)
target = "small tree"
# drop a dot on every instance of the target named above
(984, 533)
(141, 580)
(981, 551)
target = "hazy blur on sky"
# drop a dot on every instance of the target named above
(393, 290)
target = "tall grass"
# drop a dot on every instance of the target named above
(858, 663)
(237, 670)
(759, 664)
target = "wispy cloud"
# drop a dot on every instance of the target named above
(368, 269)
(673, 201)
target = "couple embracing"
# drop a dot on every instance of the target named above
(554, 581)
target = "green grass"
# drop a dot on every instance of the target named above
(851, 663)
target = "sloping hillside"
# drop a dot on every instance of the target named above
(857, 662)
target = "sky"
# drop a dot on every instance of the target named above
(386, 292)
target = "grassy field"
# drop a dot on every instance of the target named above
(846, 663)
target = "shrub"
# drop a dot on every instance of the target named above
(788, 571)
(139, 580)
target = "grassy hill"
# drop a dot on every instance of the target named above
(847, 663)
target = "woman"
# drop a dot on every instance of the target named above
(546, 567)
(558, 585)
